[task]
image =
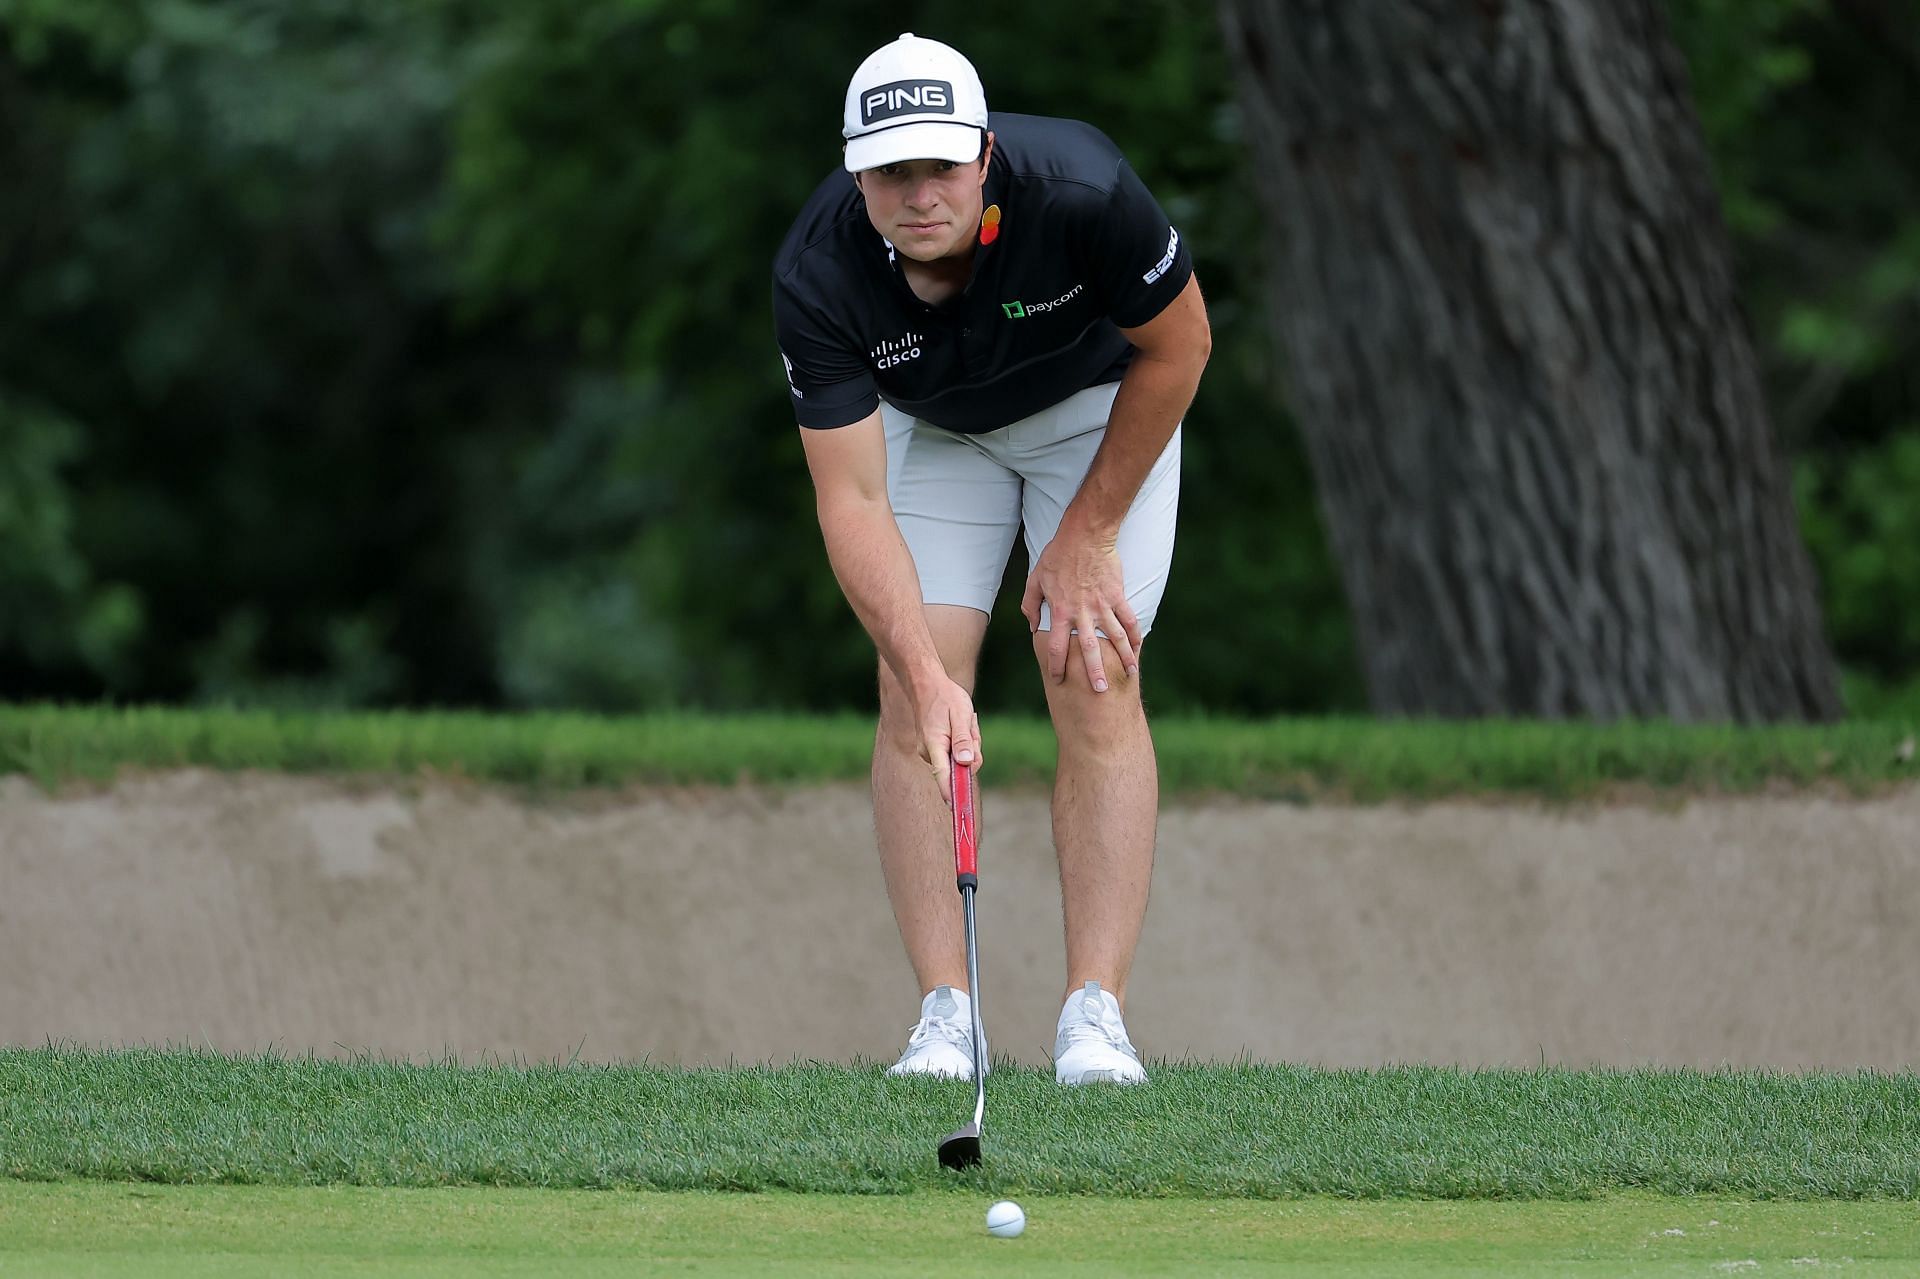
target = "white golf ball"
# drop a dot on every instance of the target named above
(1005, 1219)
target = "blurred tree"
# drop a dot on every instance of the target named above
(1807, 106)
(52, 611)
(1862, 520)
(1505, 298)
(214, 257)
(399, 354)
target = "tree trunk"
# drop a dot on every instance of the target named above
(1503, 290)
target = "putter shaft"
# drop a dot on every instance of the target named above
(973, 999)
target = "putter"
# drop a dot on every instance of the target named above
(961, 1149)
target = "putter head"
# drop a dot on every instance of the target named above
(962, 1149)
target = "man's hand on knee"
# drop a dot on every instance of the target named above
(1080, 580)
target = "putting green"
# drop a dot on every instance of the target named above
(114, 1229)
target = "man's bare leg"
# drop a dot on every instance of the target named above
(1106, 804)
(914, 827)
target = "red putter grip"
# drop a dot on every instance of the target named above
(966, 827)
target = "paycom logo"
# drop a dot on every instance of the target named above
(1021, 310)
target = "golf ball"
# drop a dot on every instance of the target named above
(1005, 1219)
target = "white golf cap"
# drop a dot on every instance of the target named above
(913, 99)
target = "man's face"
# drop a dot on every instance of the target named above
(927, 209)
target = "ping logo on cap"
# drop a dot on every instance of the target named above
(906, 97)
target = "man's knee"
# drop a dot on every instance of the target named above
(959, 650)
(1077, 710)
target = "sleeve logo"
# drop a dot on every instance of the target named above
(798, 394)
(1161, 267)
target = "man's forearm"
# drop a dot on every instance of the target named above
(876, 572)
(1154, 395)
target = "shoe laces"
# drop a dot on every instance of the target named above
(1106, 1028)
(930, 1028)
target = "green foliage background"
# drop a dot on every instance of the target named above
(367, 354)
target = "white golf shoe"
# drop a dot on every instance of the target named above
(1091, 1045)
(942, 1041)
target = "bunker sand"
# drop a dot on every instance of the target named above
(745, 924)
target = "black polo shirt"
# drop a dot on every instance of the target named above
(1072, 249)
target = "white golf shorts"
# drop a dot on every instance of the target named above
(959, 498)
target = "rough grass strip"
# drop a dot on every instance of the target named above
(1234, 1131)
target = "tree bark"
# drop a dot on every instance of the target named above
(1503, 290)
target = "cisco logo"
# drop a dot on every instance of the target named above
(897, 351)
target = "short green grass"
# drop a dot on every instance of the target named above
(1303, 759)
(110, 1231)
(1237, 1131)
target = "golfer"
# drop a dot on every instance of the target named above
(989, 325)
